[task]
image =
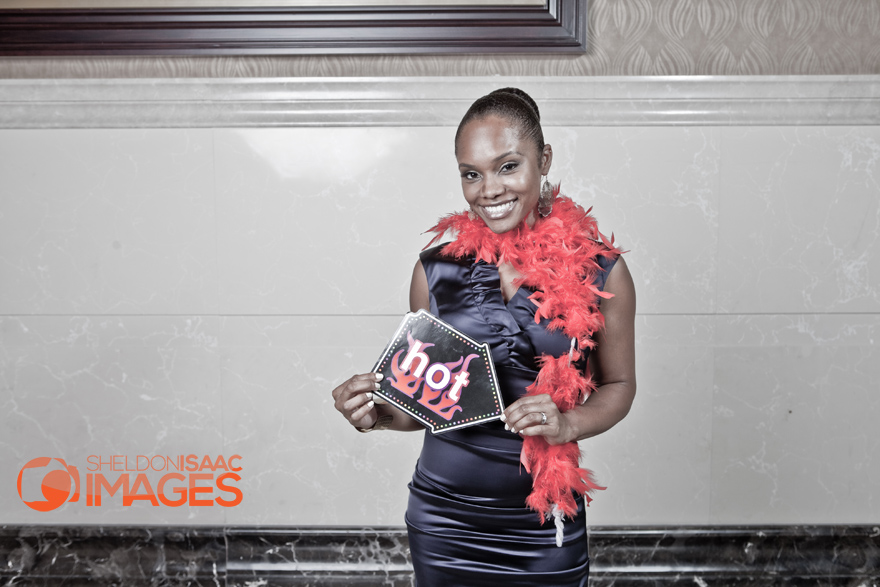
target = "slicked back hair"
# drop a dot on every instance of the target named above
(512, 104)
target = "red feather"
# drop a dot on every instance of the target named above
(557, 258)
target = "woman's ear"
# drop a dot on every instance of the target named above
(546, 159)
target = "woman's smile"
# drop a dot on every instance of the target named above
(499, 211)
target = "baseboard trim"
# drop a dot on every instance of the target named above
(331, 556)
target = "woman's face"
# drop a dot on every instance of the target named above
(500, 172)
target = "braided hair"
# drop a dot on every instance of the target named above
(512, 104)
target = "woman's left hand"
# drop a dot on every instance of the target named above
(537, 415)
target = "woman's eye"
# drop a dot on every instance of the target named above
(509, 166)
(470, 175)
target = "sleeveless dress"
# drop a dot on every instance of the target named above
(467, 522)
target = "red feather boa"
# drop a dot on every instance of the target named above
(557, 258)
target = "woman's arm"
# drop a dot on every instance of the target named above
(614, 371)
(419, 297)
(354, 397)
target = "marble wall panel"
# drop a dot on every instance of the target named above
(86, 388)
(307, 465)
(257, 268)
(107, 222)
(794, 419)
(328, 220)
(800, 220)
(656, 462)
(657, 190)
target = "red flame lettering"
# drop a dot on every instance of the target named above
(438, 401)
(403, 381)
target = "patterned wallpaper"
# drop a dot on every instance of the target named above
(627, 37)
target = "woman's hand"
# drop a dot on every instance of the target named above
(354, 399)
(537, 415)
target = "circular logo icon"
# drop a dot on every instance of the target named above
(57, 485)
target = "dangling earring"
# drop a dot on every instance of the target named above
(471, 214)
(545, 201)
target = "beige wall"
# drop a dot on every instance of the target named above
(172, 291)
(626, 37)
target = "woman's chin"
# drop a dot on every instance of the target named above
(501, 226)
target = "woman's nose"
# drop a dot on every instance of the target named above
(492, 187)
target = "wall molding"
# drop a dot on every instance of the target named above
(239, 556)
(436, 101)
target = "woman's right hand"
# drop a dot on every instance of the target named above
(354, 399)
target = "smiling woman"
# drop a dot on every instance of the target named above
(529, 274)
(272, 27)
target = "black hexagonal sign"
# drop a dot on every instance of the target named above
(438, 375)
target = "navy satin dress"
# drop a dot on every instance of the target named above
(466, 518)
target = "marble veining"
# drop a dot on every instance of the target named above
(111, 555)
(250, 556)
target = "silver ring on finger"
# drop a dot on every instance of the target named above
(543, 418)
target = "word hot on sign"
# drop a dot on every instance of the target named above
(438, 375)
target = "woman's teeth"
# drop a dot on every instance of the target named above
(499, 210)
